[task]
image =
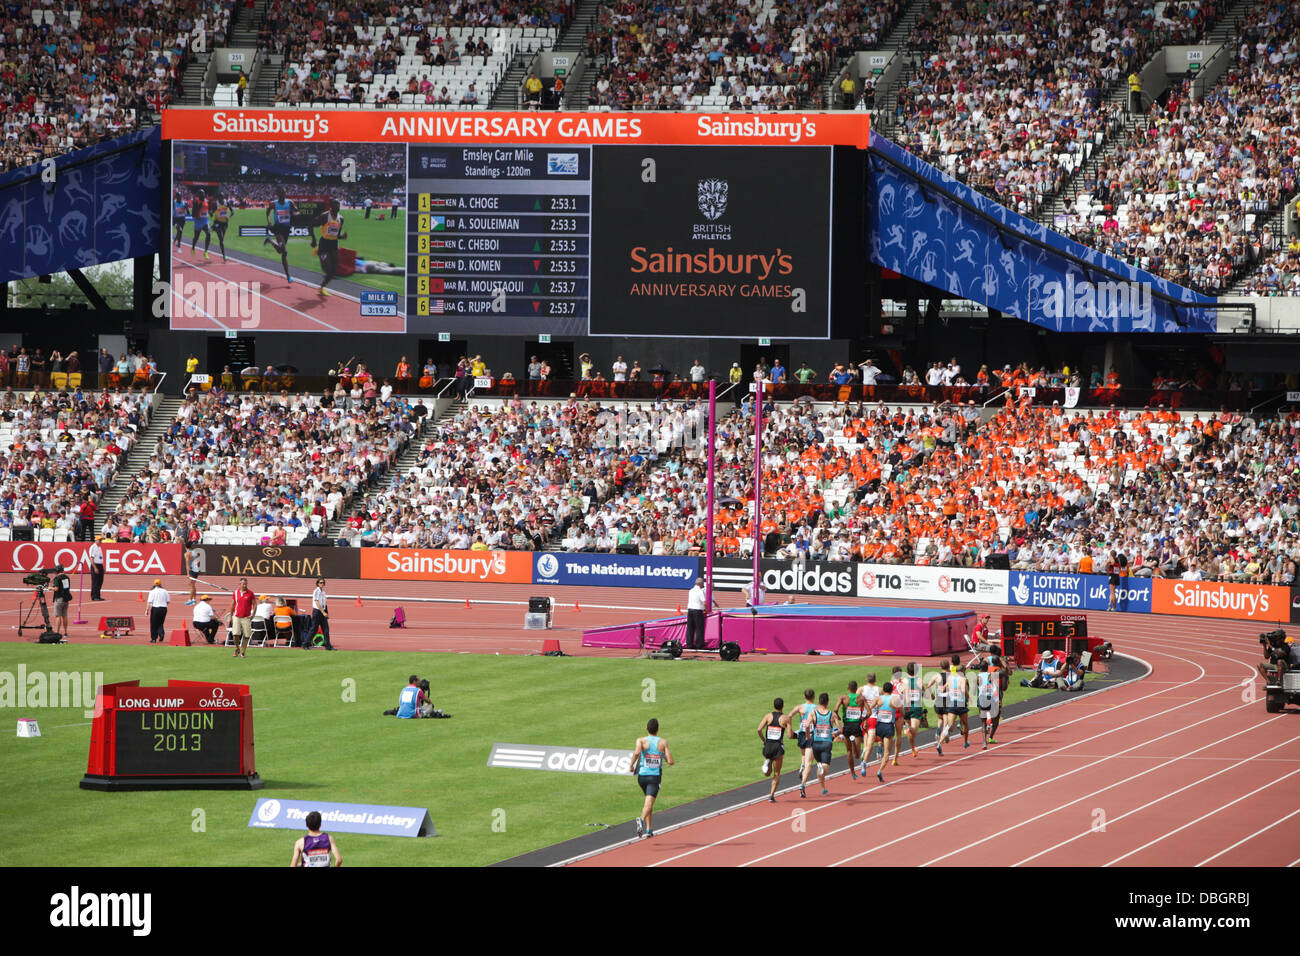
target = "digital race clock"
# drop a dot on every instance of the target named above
(189, 734)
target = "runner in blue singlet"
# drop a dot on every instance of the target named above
(180, 213)
(279, 222)
(648, 759)
(822, 724)
(888, 707)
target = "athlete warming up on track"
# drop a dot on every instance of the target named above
(913, 705)
(849, 707)
(220, 222)
(772, 730)
(988, 698)
(822, 725)
(888, 709)
(180, 213)
(331, 231)
(199, 210)
(648, 758)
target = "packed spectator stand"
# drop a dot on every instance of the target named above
(259, 469)
(1189, 194)
(759, 56)
(59, 451)
(72, 74)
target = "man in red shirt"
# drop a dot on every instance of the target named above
(241, 617)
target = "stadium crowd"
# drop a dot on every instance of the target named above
(72, 74)
(1150, 492)
(1010, 96)
(1188, 197)
(281, 464)
(748, 56)
(510, 477)
(59, 452)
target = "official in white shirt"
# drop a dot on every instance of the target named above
(320, 616)
(158, 600)
(696, 605)
(96, 570)
(205, 618)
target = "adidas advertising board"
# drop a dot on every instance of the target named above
(958, 585)
(566, 759)
(818, 578)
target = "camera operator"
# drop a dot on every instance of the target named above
(62, 587)
(1071, 678)
(1281, 654)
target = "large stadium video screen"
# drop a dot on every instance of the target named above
(502, 238)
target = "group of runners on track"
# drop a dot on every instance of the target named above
(879, 716)
(210, 213)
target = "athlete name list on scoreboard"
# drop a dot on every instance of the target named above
(499, 238)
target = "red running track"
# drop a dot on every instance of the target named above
(1177, 769)
(1181, 768)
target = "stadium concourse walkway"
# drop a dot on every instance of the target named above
(1122, 670)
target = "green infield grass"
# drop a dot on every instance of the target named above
(320, 735)
(373, 239)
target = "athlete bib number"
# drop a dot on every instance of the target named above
(986, 695)
(853, 713)
(316, 858)
(885, 717)
(822, 732)
(773, 731)
(650, 761)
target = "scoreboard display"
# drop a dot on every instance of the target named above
(499, 239)
(187, 735)
(649, 225)
(177, 741)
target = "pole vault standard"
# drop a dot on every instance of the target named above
(708, 514)
(758, 490)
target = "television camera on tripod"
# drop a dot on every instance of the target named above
(40, 580)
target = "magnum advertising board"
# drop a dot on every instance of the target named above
(273, 562)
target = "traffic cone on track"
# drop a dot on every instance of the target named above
(359, 604)
(140, 597)
(576, 608)
(467, 604)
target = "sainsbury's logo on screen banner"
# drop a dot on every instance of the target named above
(372, 126)
(412, 564)
(25, 556)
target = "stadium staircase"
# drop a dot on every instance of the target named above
(408, 459)
(164, 412)
(893, 41)
(574, 41)
(192, 92)
(509, 92)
